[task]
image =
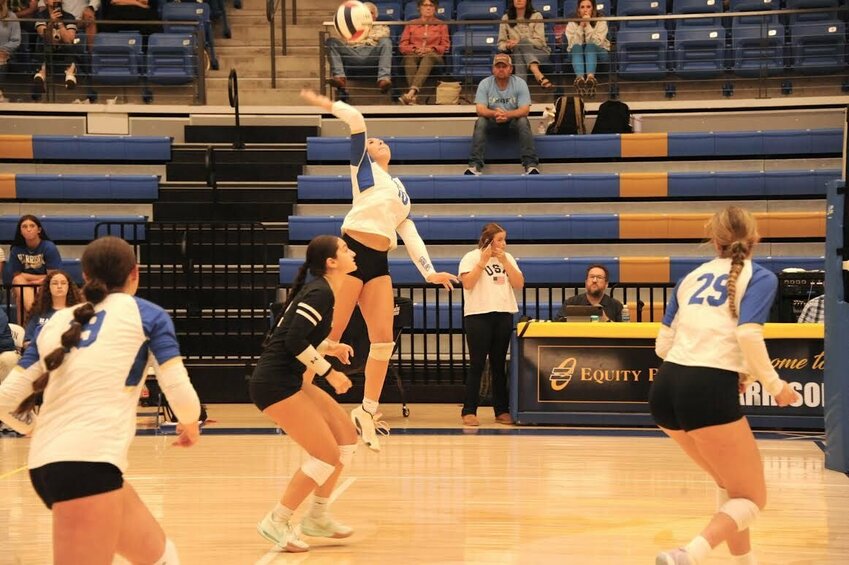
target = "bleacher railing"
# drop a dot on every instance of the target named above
(754, 54)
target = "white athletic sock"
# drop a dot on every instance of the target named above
(281, 513)
(698, 549)
(319, 506)
(370, 406)
(747, 559)
(169, 556)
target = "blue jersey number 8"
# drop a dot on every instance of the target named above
(718, 293)
(91, 329)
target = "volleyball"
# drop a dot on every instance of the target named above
(352, 20)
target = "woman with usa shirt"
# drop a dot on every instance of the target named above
(711, 341)
(379, 213)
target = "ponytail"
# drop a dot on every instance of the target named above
(297, 284)
(739, 250)
(94, 291)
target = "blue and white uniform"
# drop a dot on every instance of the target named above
(89, 409)
(381, 205)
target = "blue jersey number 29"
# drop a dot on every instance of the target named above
(714, 289)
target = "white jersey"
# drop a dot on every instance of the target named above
(493, 292)
(380, 201)
(704, 327)
(89, 410)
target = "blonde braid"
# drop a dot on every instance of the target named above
(739, 251)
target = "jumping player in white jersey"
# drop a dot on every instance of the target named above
(381, 208)
(281, 386)
(712, 344)
(90, 361)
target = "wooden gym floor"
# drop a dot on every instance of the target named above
(438, 493)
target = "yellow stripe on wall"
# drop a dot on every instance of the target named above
(644, 145)
(791, 224)
(643, 270)
(637, 185)
(15, 147)
(648, 330)
(643, 226)
(7, 185)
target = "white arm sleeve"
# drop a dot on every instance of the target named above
(16, 387)
(751, 340)
(314, 361)
(664, 340)
(350, 116)
(415, 247)
(174, 382)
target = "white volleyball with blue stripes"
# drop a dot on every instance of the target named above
(353, 20)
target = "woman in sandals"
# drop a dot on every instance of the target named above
(524, 40)
(587, 45)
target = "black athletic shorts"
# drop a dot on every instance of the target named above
(370, 263)
(689, 398)
(265, 392)
(69, 480)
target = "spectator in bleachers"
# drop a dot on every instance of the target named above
(85, 12)
(23, 9)
(814, 311)
(131, 11)
(58, 30)
(503, 102)
(595, 285)
(10, 38)
(9, 354)
(371, 50)
(424, 43)
(57, 291)
(525, 40)
(587, 45)
(489, 275)
(32, 254)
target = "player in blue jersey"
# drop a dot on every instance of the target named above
(90, 362)
(711, 341)
(281, 386)
(380, 210)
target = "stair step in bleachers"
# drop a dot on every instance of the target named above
(580, 227)
(548, 187)
(818, 142)
(70, 188)
(81, 229)
(85, 148)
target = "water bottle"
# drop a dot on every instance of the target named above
(626, 314)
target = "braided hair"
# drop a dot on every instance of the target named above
(734, 232)
(107, 263)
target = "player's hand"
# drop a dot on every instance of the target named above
(787, 396)
(343, 352)
(315, 99)
(445, 279)
(339, 381)
(188, 434)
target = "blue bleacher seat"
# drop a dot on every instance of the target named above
(697, 7)
(641, 8)
(754, 6)
(116, 58)
(818, 47)
(757, 50)
(810, 4)
(191, 11)
(699, 51)
(641, 54)
(171, 58)
(82, 229)
(122, 188)
(101, 148)
(481, 10)
(472, 52)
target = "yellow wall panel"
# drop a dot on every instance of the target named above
(644, 145)
(637, 185)
(791, 224)
(15, 147)
(643, 270)
(643, 226)
(7, 185)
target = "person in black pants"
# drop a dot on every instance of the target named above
(489, 275)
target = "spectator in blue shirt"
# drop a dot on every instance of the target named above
(56, 292)
(32, 254)
(503, 102)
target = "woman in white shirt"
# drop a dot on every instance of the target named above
(587, 44)
(711, 342)
(489, 275)
(525, 40)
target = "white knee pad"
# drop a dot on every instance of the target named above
(742, 510)
(169, 556)
(381, 351)
(346, 454)
(317, 470)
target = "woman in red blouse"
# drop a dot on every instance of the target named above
(423, 44)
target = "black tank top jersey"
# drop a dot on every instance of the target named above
(306, 322)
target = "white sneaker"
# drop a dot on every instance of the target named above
(71, 77)
(40, 79)
(472, 171)
(369, 427)
(283, 534)
(673, 557)
(325, 527)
